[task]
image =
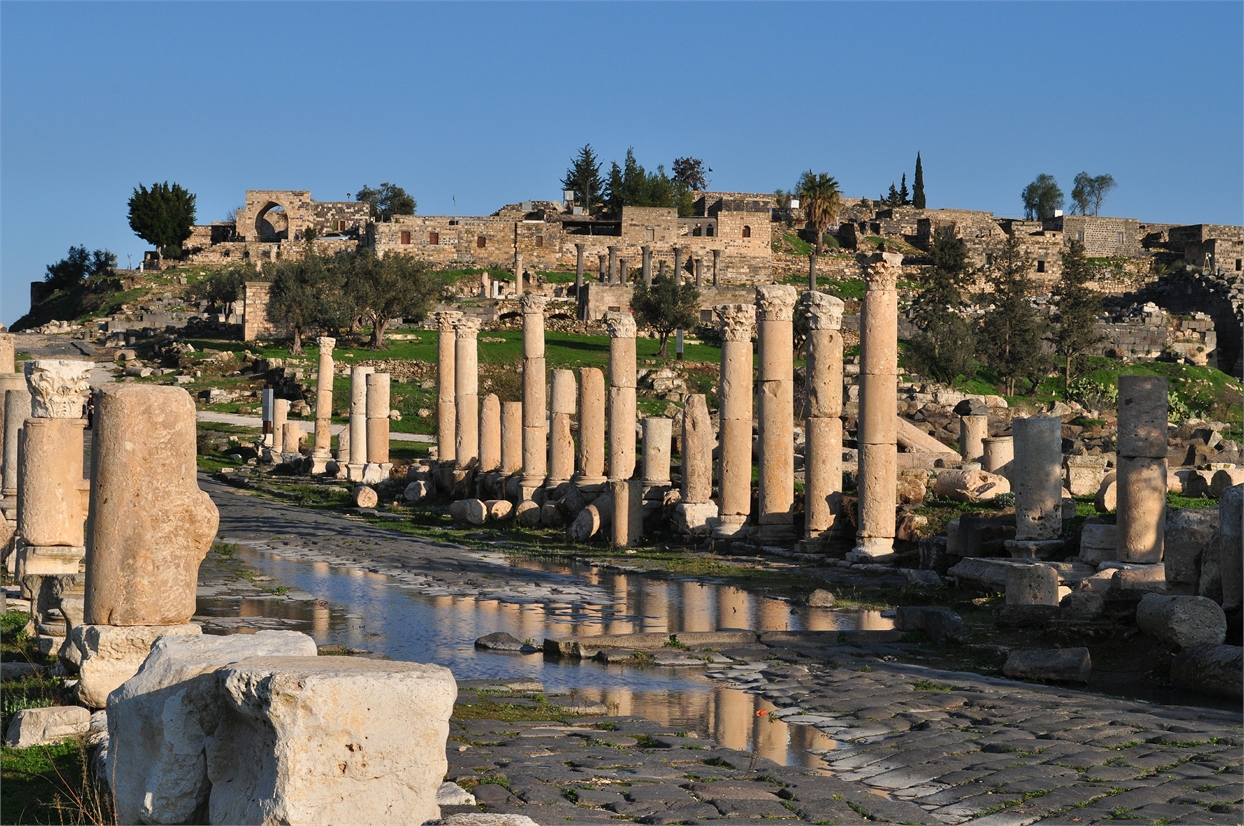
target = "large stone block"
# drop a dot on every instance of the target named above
(44, 726)
(1188, 535)
(109, 656)
(1182, 621)
(1031, 585)
(1055, 664)
(159, 721)
(970, 485)
(329, 740)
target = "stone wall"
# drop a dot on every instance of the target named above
(261, 220)
(255, 322)
(1102, 237)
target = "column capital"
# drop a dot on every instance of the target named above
(824, 311)
(445, 319)
(533, 304)
(466, 327)
(646, 249)
(716, 253)
(580, 246)
(776, 302)
(881, 269)
(58, 387)
(738, 321)
(326, 345)
(621, 325)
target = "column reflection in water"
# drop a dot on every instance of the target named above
(697, 607)
(654, 606)
(733, 608)
(774, 615)
(589, 620)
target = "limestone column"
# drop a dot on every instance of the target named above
(699, 271)
(591, 427)
(604, 268)
(658, 434)
(716, 262)
(8, 353)
(511, 437)
(291, 438)
(280, 416)
(561, 441)
(695, 513)
(613, 264)
(775, 392)
(358, 422)
(446, 417)
(647, 264)
(490, 434)
(735, 394)
(812, 272)
(660, 269)
(519, 281)
(678, 274)
(623, 271)
(466, 393)
(1141, 476)
(972, 433)
(322, 454)
(1037, 478)
(535, 408)
(578, 278)
(999, 453)
(622, 386)
(378, 422)
(878, 418)
(16, 412)
(823, 440)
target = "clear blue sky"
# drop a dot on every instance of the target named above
(489, 101)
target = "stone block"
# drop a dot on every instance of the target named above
(1182, 621)
(695, 519)
(364, 496)
(1082, 606)
(1084, 474)
(970, 485)
(1210, 669)
(1189, 533)
(1098, 541)
(1031, 585)
(1137, 577)
(1223, 479)
(1071, 665)
(938, 622)
(44, 726)
(329, 740)
(159, 721)
(111, 655)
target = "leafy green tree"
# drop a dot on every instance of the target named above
(163, 216)
(583, 178)
(691, 173)
(386, 201)
(821, 200)
(1042, 197)
(1090, 191)
(666, 306)
(943, 347)
(307, 293)
(79, 265)
(395, 286)
(917, 186)
(226, 285)
(1010, 331)
(1076, 306)
(632, 185)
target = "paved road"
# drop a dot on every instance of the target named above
(308, 426)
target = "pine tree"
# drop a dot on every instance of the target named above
(1076, 306)
(917, 186)
(1010, 332)
(903, 199)
(583, 178)
(943, 347)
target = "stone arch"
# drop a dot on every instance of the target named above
(272, 222)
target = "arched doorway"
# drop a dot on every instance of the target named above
(272, 223)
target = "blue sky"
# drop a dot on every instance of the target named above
(487, 102)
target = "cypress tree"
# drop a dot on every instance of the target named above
(903, 196)
(917, 186)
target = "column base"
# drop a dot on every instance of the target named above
(110, 655)
(589, 482)
(529, 486)
(870, 548)
(322, 462)
(375, 473)
(730, 526)
(695, 518)
(354, 473)
(45, 560)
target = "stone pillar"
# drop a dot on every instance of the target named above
(511, 437)
(378, 425)
(678, 265)
(696, 512)
(646, 266)
(878, 418)
(561, 441)
(16, 411)
(699, 271)
(578, 277)
(613, 264)
(591, 427)
(1141, 475)
(358, 422)
(322, 454)
(660, 269)
(1037, 479)
(622, 387)
(446, 417)
(823, 439)
(999, 453)
(973, 431)
(8, 353)
(291, 439)
(624, 273)
(716, 265)
(520, 283)
(738, 322)
(490, 434)
(280, 416)
(775, 391)
(466, 393)
(535, 408)
(604, 268)
(812, 272)
(628, 508)
(658, 434)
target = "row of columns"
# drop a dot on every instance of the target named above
(614, 269)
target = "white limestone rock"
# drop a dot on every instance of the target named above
(44, 726)
(111, 655)
(1183, 621)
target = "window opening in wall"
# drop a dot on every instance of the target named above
(709, 230)
(652, 235)
(481, 242)
(615, 309)
(1040, 265)
(1119, 237)
(747, 232)
(341, 225)
(434, 238)
(539, 240)
(1239, 264)
(405, 237)
(706, 316)
(1080, 236)
(698, 229)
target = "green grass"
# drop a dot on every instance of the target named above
(48, 784)
(559, 276)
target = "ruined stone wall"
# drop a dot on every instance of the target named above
(1102, 237)
(256, 325)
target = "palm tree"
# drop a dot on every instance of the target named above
(821, 199)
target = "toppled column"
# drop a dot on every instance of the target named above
(535, 408)
(511, 437)
(973, 431)
(999, 453)
(490, 434)
(646, 265)
(1037, 479)
(591, 428)
(446, 416)
(878, 419)
(823, 440)
(466, 393)
(561, 441)
(1141, 475)
(622, 399)
(775, 390)
(378, 464)
(738, 322)
(149, 528)
(358, 422)
(695, 513)
(321, 455)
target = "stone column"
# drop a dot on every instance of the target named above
(535, 408)
(678, 265)
(291, 439)
(812, 272)
(972, 433)
(358, 422)
(695, 513)
(520, 282)
(490, 434)
(622, 386)
(604, 268)
(561, 441)
(738, 322)
(446, 417)
(1037, 479)
(646, 266)
(613, 264)
(280, 416)
(878, 418)
(628, 507)
(8, 353)
(1141, 475)
(578, 277)
(658, 434)
(16, 412)
(660, 269)
(624, 273)
(823, 440)
(591, 428)
(699, 271)
(322, 454)
(466, 393)
(775, 391)
(377, 426)
(511, 437)
(716, 265)
(999, 453)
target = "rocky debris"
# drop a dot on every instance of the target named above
(111, 655)
(1189, 533)
(1130, 576)
(1064, 665)
(469, 511)
(1099, 541)
(1210, 669)
(451, 794)
(501, 641)
(820, 598)
(1107, 498)
(970, 485)
(1031, 585)
(45, 726)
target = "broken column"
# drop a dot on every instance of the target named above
(622, 399)
(321, 455)
(999, 452)
(1037, 479)
(823, 439)
(1141, 475)
(878, 419)
(646, 265)
(591, 428)
(358, 422)
(678, 273)
(578, 275)
(149, 528)
(466, 393)
(735, 395)
(775, 391)
(658, 434)
(446, 417)
(280, 416)
(696, 511)
(291, 441)
(561, 441)
(972, 433)
(378, 465)
(490, 434)
(535, 408)
(511, 437)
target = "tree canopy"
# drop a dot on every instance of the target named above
(226, 285)
(395, 286)
(1076, 306)
(307, 293)
(943, 347)
(632, 185)
(1042, 197)
(691, 173)
(1090, 191)
(163, 216)
(79, 265)
(666, 306)
(1010, 332)
(821, 200)
(583, 178)
(386, 201)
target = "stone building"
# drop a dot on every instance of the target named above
(1102, 237)
(273, 224)
(1209, 246)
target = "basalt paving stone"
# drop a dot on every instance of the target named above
(1209, 818)
(595, 797)
(767, 809)
(977, 805)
